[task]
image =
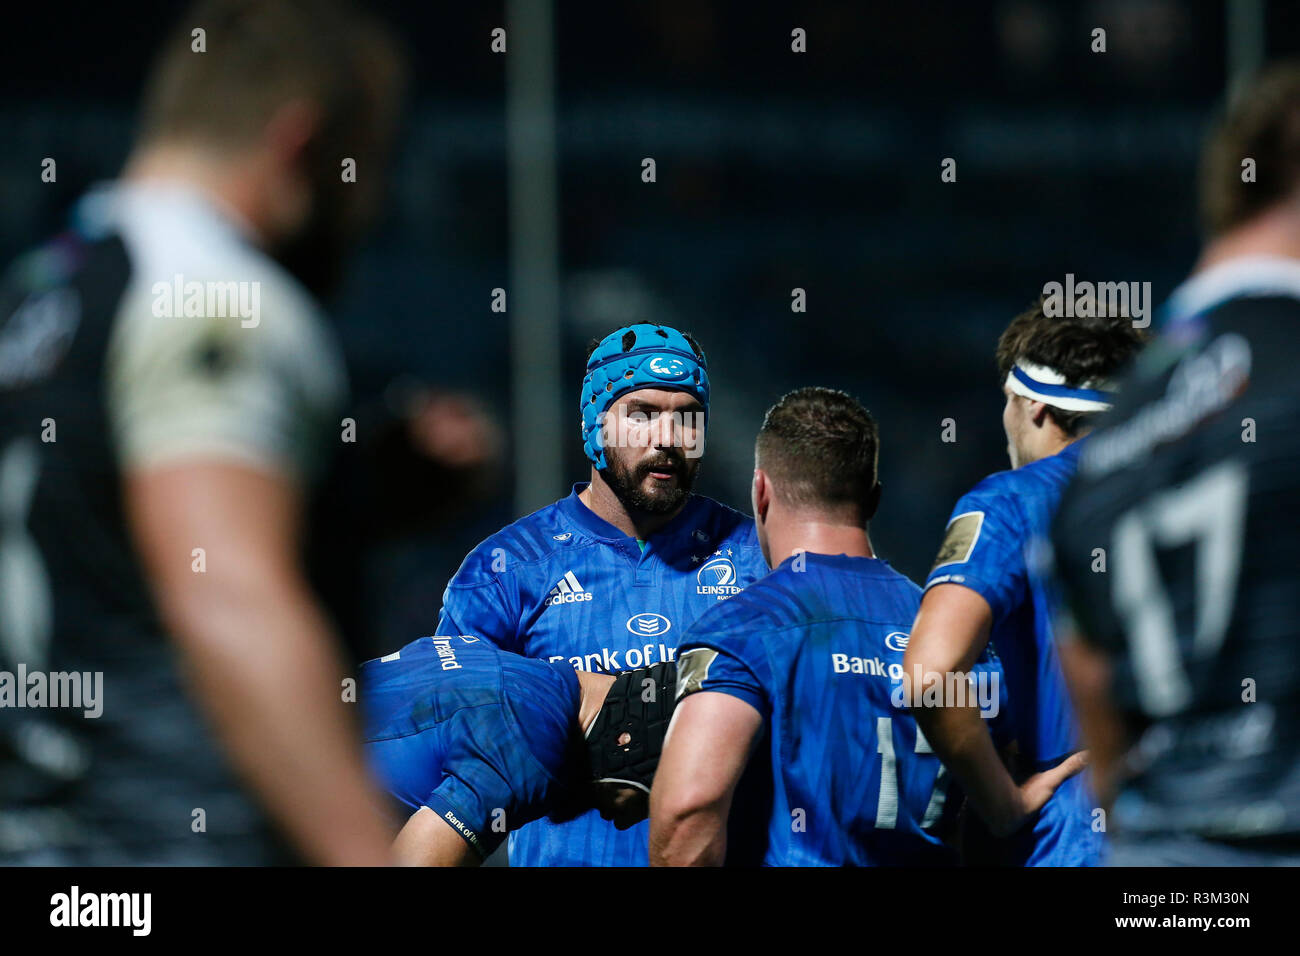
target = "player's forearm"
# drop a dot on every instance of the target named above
(964, 745)
(705, 754)
(695, 837)
(265, 669)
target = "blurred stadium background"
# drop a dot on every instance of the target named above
(775, 171)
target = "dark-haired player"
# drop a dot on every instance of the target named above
(1187, 673)
(478, 742)
(608, 578)
(985, 588)
(791, 745)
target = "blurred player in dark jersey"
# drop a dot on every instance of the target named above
(1187, 667)
(788, 693)
(168, 393)
(479, 742)
(986, 590)
(607, 578)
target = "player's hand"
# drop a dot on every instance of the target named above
(1038, 789)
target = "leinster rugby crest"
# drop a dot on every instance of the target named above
(717, 576)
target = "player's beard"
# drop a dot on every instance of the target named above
(628, 481)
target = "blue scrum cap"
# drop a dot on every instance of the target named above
(633, 357)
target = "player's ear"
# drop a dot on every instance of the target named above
(288, 139)
(291, 130)
(1038, 414)
(762, 494)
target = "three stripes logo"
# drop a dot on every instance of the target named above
(568, 591)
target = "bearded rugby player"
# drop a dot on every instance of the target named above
(609, 577)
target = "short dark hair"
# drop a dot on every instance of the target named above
(820, 448)
(1263, 124)
(1083, 349)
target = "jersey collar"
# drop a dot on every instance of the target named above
(843, 561)
(593, 524)
(179, 205)
(1071, 451)
(1233, 278)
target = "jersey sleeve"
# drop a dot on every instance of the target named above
(478, 606)
(460, 808)
(215, 388)
(982, 550)
(730, 664)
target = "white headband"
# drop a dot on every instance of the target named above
(1043, 384)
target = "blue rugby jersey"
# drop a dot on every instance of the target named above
(843, 776)
(481, 737)
(562, 584)
(989, 547)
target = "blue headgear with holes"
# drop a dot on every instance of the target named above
(637, 356)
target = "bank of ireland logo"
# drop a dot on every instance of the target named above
(897, 640)
(717, 576)
(649, 625)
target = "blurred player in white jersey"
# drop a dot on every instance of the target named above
(173, 338)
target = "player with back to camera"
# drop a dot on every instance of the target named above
(791, 745)
(986, 589)
(159, 539)
(1187, 664)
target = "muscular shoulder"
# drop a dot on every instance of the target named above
(214, 347)
(223, 291)
(530, 541)
(999, 491)
(1012, 494)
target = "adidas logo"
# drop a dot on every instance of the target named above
(568, 591)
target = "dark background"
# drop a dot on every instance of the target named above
(775, 170)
